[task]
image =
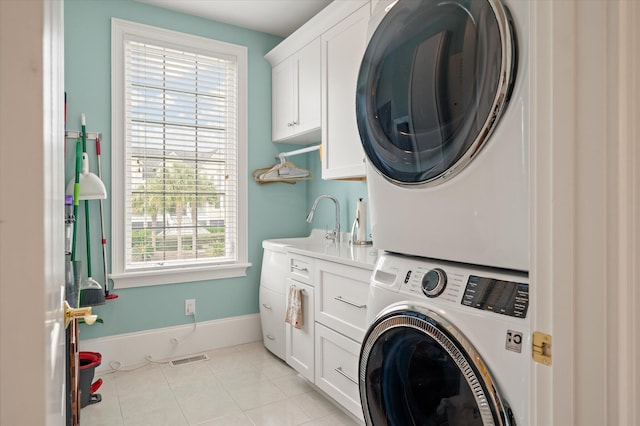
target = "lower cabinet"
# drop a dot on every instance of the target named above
(326, 349)
(299, 341)
(272, 306)
(337, 368)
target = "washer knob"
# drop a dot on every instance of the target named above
(434, 282)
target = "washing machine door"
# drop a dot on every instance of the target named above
(434, 80)
(418, 369)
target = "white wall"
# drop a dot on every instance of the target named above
(31, 213)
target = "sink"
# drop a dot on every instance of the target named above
(317, 245)
(317, 236)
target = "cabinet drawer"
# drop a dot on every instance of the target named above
(272, 311)
(301, 268)
(337, 360)
(341, 298)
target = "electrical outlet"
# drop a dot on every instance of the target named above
(190, 307)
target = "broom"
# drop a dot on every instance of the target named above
(91, 292)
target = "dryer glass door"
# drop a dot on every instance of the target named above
(435, 77)
(413, 371)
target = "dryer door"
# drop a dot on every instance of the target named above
(417, 369)
(433, 82)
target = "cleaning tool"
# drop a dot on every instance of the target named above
(75, 190)
(75, 293)
(89, 361)
(86, 186)
(91, 293)
(104, 238)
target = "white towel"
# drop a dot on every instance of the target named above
(294, 307)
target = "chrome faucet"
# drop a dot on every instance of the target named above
(332, 235)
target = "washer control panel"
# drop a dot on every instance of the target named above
(431, 280)
(495, 295)
(493, 290)
(434, 282)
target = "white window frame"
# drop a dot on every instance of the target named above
(120, 32)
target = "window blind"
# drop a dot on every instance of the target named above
(181, 133)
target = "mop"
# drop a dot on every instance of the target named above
(91, 293)
(76, 197)
(104, 239)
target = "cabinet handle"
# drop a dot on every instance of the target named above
(298, 268)
(348, 302)
(289, 124)
(342, 373)
(270, 337)
(267, 306)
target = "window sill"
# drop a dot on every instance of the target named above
(177, 275)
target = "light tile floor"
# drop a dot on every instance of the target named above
(240, 386)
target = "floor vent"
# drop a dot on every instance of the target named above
(188, 360)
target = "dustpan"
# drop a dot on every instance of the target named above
(91, 187)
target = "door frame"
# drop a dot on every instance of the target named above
(585, 210)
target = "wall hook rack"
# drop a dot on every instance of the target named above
(74, 134)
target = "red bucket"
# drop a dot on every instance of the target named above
(88, 363)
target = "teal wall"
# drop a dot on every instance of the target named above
(346, 192)
(275, 210)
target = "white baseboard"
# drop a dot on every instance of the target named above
(130, 349)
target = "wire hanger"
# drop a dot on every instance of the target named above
(285, 171)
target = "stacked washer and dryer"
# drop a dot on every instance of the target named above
(442, 109)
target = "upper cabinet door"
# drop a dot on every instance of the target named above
(343, 47)
(283, 100)
(296, 96)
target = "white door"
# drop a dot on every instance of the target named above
(31, 213)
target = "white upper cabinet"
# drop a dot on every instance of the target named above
(342, 49)
(296, 97)
(314, 74)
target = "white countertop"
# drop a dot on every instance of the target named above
(317, 246)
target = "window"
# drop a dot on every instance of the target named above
(178, 157)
